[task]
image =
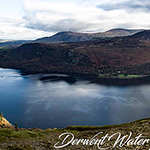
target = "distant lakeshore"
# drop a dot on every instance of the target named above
(97, 78)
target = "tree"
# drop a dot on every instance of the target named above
(16, 126)
(126, 74)
(1, 115)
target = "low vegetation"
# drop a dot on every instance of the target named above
(33, 139)
(1, 116)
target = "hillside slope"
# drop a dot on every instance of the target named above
(128, 54)
(32, 139)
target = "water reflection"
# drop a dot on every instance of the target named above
(34, 103)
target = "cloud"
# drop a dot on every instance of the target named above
(57, 16)
(87, 16)
(40, 18)
(13, 28)
(128, 5)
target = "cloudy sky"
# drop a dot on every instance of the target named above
(31, 19)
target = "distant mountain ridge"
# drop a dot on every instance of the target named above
(12, 43)
(142, 35)
(69, 36)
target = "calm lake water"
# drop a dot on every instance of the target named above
(46, 104)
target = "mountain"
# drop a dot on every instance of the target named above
(78, 37)
(120, 32)
(128, 54)
(66, 37)
(142, 35)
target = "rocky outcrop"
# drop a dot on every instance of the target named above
(5, 124)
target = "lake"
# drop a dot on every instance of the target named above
(58, 103)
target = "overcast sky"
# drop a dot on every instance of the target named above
(31, 19)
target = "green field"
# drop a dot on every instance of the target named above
(119, 76)
(129, 76)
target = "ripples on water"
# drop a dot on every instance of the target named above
(35, 103)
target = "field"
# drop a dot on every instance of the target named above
(129, 76)
(122, 76)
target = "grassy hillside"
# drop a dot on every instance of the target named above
(33, 139)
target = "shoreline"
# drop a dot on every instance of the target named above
(95, 78)
(123, 81)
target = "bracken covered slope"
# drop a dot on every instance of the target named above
(129, 54)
